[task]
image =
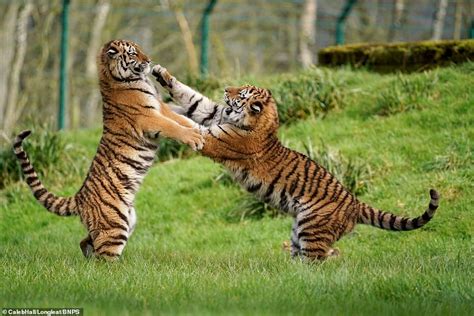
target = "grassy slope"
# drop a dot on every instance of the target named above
(185, 257)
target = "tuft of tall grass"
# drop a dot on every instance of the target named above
(456, 157)
(249, 207)
(308, 94)
(44, 148)
(406, 93)
(225, 178)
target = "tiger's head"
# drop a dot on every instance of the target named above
(123, 61)
(250, 108)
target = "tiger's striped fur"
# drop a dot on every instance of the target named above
(243, 137)
(132, 117)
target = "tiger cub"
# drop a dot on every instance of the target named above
(131, 113)
(243, 137)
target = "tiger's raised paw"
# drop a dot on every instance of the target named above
(162, 76)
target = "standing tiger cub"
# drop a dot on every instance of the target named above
(132, 113)
(243, 137)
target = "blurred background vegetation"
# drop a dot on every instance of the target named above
(247, 38)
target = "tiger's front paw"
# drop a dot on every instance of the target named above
(162, 76)
(193, 138)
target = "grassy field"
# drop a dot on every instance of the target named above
(415, 131)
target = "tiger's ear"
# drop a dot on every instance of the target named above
(111, 52)
(269, 92)
(256, 107)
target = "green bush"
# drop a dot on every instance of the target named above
(44, 148)
(399, 56)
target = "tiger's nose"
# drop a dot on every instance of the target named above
(141, 66)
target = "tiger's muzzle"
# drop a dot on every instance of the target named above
(143, 67)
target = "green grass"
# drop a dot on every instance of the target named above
(45, 150)
(187, 257)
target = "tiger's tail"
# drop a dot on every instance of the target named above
(63, 206)
(386, 220)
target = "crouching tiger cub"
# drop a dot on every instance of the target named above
(243, 137)
(131, 113)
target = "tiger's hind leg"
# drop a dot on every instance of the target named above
(315, 236)
(87, 247)
(109, 244)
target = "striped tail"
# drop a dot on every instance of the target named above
(385, 220)
(57, 205)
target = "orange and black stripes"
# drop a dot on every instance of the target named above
(244, 140)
